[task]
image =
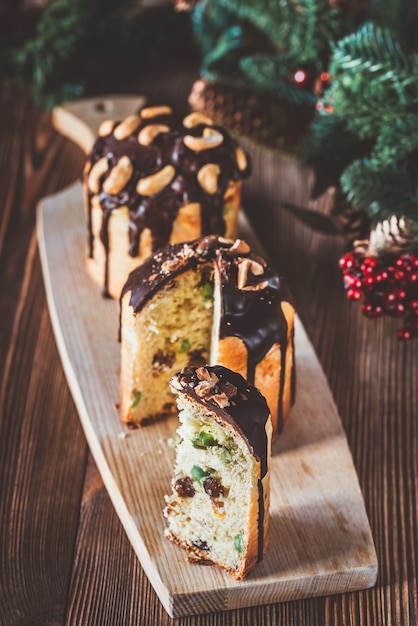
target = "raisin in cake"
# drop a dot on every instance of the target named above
(149, 182)
(207, 301)
(219, 507)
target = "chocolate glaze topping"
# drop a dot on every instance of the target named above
(158, 211)
(246, 411)
(251, 303)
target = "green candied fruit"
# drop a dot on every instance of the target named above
(136, 398)
(198, 473)
(206, 285)
(238, 543)
(185, 346)
(226, 210)
(207, 291)
(226, 455)
(203, 440)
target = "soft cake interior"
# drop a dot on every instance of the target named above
(180, 326)
(213, 510)
(171, 331)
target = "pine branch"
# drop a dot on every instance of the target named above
(262, 44)
(270, 74)
(381, 194)
(54, 63)
(230, 42)
(395, 142)
(370, 67)
(290, 25)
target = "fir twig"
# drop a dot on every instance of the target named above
(381, 194)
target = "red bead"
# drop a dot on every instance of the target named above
(345, 262)
(300, 76)
(404, 334)
(354, 294)
(371, 311)
(349, 281)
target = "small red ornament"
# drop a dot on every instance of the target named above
(387, 286)
(300, 77)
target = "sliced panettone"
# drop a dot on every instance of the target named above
(218, 510)
(207, 301)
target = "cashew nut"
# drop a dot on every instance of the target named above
(196, 118)
(119, 176)
(207, 177)
(153, 184)
(210, 138)
(127, 127)
(150, 112)
(147, 134)
(99, 168)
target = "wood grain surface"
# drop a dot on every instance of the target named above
(64, 556)
(320, 537)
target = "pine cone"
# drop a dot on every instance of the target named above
(245, 113)
(392, 236)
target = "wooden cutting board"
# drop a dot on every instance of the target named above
(320, 541)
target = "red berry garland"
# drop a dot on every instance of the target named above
(387, 284)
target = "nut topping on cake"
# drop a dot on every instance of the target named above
(207, 177)
(202, 373)
(150, 112)
(239, 247)
(106, 128)
(221, 400)
(147, 134)
(229, 389)
(241, 158)
(99, 168)
(153, 184)
(249, 265)
(210, 138)
(206, 385)
(119, 176)
(196, 118)
(171, 265)
(127, 127)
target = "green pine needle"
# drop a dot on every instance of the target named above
(260, 45)
(272, 75)
(381, 194)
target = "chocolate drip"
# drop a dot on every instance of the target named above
(157, 212)
(261, 515)
(254, 314)
(247, 412)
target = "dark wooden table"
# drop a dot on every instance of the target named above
(64, 557)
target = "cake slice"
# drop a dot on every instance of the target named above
(208, 301)
(219, 507)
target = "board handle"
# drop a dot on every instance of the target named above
(79, 120)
